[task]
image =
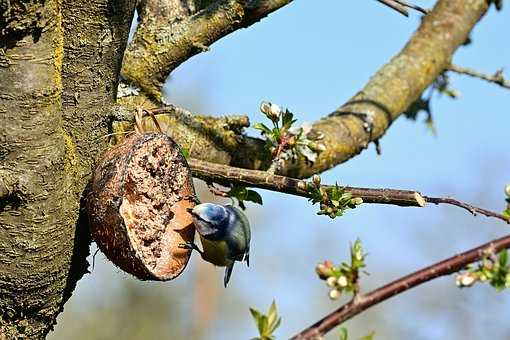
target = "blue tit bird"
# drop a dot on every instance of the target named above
(224, 233)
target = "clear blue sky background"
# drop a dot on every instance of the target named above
(311, 56)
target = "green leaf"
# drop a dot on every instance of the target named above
(238, 192)
(266, 324)
(255, 314)
(273, 319)
(185, 153)
(262, 127)
(275, 325)
(369, 336)
(272, 313)
(287, 119)
(254, 197)
(260, 320)
(503, 258)
(344, 334)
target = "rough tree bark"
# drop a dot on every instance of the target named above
(59, 66)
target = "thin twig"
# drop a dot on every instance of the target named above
(260, 179)
(412, 6)
(396, 6)
(365, 301)
(496, 78)
(400, 6)
(471, 208)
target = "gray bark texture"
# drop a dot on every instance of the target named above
(59, 66)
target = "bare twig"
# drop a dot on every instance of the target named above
(260, 179)
(412, 6)
(400, 6)
(472, 209)
(396, 6)
(496, 78)
(364, 301)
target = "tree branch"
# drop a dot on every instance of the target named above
(364, 301)
(472, 209)
(367, 115)
(496, 78)
(158, 48)
(264, 180)
(395, 86)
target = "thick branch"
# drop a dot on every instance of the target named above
(264, 180)
(395, 86)
(496, 78)
(383, 99)
(364, 301)
(158, 48)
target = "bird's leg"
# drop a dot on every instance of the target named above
(192, 246)
(191, 198)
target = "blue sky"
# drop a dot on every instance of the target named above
(311, 56)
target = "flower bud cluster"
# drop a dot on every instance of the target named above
(336, 281)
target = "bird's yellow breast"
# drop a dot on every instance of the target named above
(215, 252)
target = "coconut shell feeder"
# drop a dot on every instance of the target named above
(137, 206)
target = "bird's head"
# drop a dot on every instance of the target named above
(209, 219)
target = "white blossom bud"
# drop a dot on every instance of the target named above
(275, 110)
(465, 279)
(316, 179)
(507, 190)
(264, 107)
(342, 281)
(357, 200)
(272, 111)
(331, 281)
(334, 294)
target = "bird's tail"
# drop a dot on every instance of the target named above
(228, 272)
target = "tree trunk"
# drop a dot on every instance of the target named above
(59, 66)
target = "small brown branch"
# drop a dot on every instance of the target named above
(472, 209)
(496, 78)
(261, 179)
(365, 301)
